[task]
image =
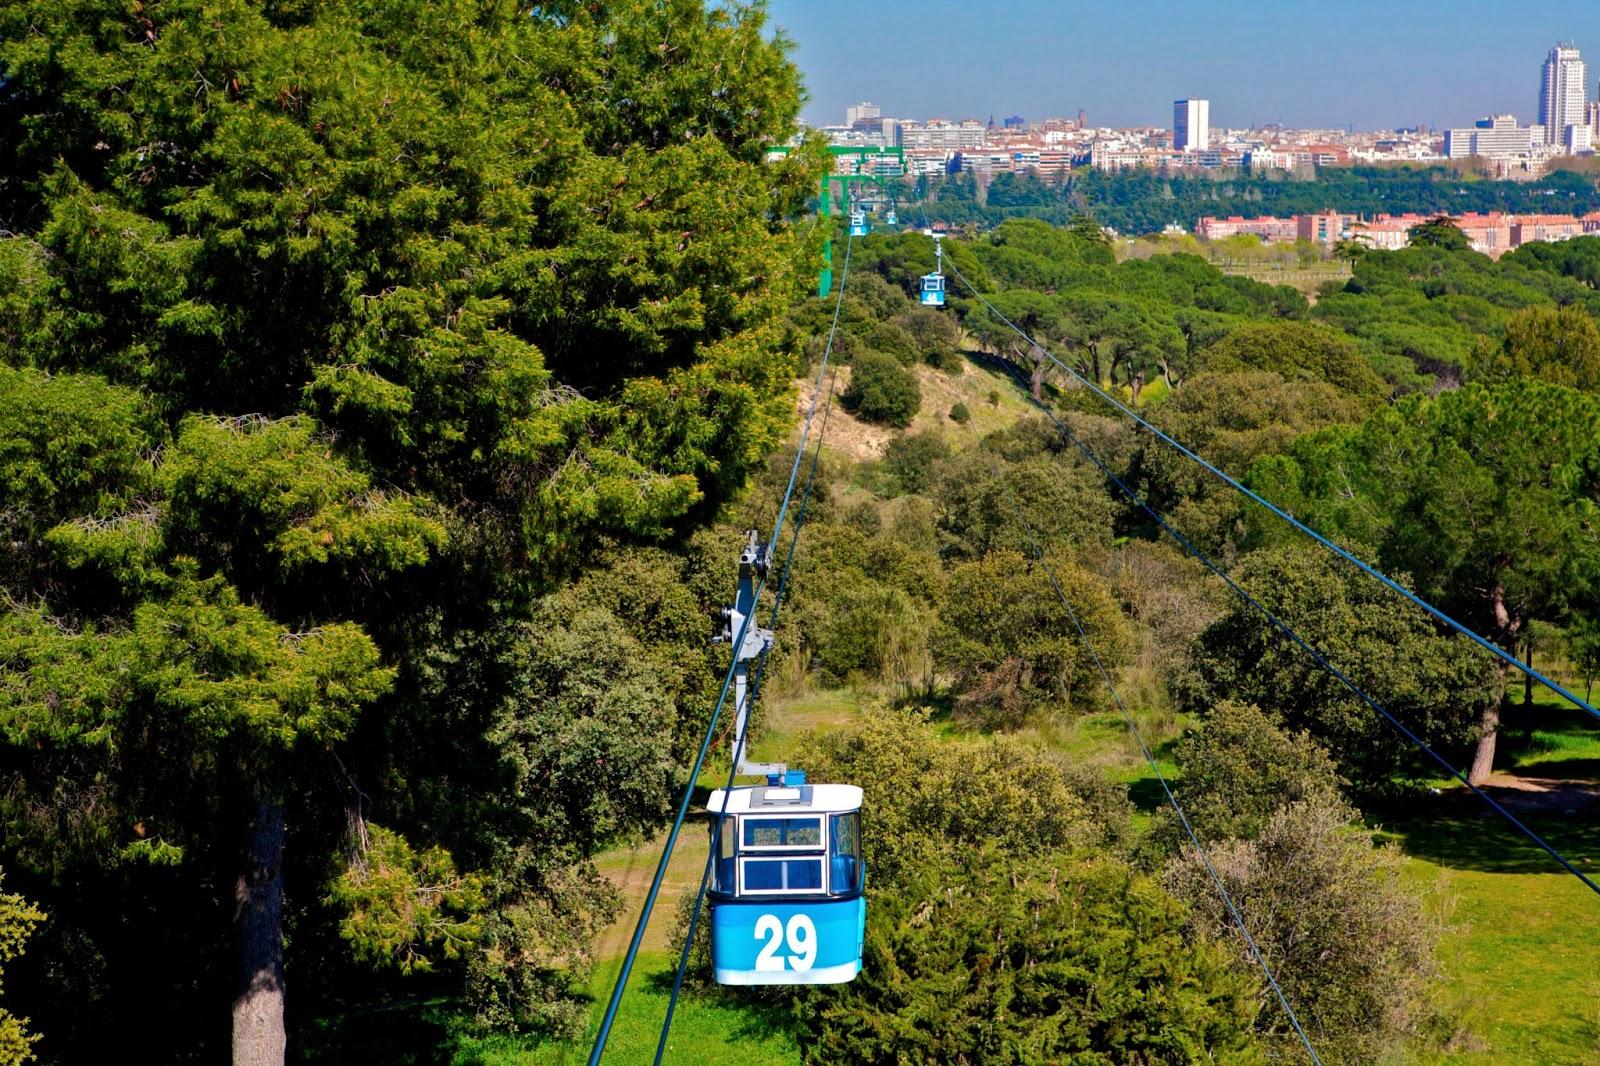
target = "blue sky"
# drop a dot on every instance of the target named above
(1375, 64)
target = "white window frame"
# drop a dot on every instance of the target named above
(779, 849)
(822, 860)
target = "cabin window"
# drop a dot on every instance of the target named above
(722, 872)
(782, 832)
(844, 854)
(762, 874)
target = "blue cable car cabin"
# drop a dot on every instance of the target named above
(858, 223)
(787, 890)
(933, 290)
(891, 218)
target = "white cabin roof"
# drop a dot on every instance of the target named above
(773, 799)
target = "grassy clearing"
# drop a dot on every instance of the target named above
(849, 437)
(708, 1029)
(1520, 979)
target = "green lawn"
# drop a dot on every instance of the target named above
(1521, 958)
(708, 1028)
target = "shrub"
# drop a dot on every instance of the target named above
(1013, 647)
(929, 796)
(910, 460)
(1063, 501)
(994, 397)
(995, 956)
(959, 414)
(892, 339)
(1351, 944)
(1238, 768)
(937, 336)
(881, 390)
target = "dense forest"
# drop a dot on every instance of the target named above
(385, 392)
(1144, 201)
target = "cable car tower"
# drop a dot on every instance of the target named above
(787, 890)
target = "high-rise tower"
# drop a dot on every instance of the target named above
(1191, 125)
(1562, 92)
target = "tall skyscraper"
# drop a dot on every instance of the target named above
(1562, 92)
(1191, 125)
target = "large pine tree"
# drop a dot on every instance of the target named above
(334, 339)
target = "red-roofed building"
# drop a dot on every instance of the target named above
(1269, 228)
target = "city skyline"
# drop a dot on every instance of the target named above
(1385, 65)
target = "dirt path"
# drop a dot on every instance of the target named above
(1526, 794)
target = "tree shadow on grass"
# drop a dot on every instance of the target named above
(1147, 794)
(1458, 830)
(1563, 769)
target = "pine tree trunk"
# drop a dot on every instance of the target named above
(1527, 678)
(1489, 722)
(1488, 732)
(1036, 378)
(258, 1033)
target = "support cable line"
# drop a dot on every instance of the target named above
(1149, 757)
(739, 740)
(722, 697)
(1317, 656)
(1508, 658)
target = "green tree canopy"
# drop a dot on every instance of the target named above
(1233, 419)
(18, 918)
(882, 390)
(1296, 350)
(1237, 768)
(1560, 345)
(336, 338)
(1038, 957)
(1434, 684)
(1484, 495)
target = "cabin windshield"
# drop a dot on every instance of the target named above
(763, 874)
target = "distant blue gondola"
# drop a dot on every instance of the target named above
(891, 218)
(933, 284)
(787, 893)
(858, 223)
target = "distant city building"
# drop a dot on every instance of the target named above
(1494, 137)
(1083, 119)
(1271, 230)
(1325, 227)
(862, 112)
(1592, 112)
(948, 136)
(1191, 125)
(1562, 92)
(1016, 122)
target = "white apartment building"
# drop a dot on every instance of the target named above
(1495, 137)
(865, 111)
(1562, 92)
(1191, 125)
(948, 136)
